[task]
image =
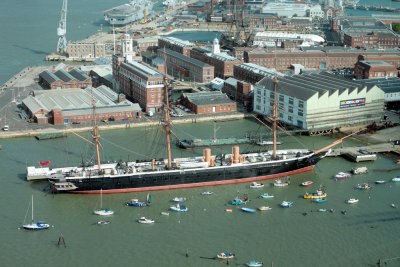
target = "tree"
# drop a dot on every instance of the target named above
(396, 27)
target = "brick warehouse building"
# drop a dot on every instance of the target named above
(75, 105)
(61, 79)
(187, 68)
(374, 70)
(143, 84)
(324, 58)
(208, 102)
(222, 62)
(175, 44)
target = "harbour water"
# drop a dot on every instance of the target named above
(284, 237)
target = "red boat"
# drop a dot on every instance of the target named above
(306, 183)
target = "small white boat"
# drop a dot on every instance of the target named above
(287, 204)
(207, 193)
(352, 201)
(103, 222)
(342, 175)
(359, 170)
(279, 182)
(380, 182)
(393, 205)
(165, 213)
(145, 220)
(396, 179)
(224, 255)
(179, 208)
(179, 199)
(266, 195)
(306, 183)
(256, 185)
(321, 210)
(254, 264)
(263, 208)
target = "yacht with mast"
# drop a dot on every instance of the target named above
(168, 173)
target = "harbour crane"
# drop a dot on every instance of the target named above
(62, 30)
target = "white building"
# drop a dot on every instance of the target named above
(286, 9)
(320, 101)
(272, 38)
(316, 11)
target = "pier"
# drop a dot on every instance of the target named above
(364, 153)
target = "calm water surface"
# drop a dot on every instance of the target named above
(282, 236)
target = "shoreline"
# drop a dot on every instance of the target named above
(130, 124)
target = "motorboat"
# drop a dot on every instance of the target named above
(256, 185)
(179, 208)
(318, 194)
(136, 203)
(359, 170)
(228, 210)
(225, 255)
(321, 210)
(165, 213)
(266, 195)
(279, 183)
(239, 201)
(103, 222)
(306, 183)
(248, 210)
(396, 179)
(254, 264)
(287, 204)
(364, 186)
(380, 182)
(352, 201)
(342, 175)
(179, 199)
(263, 208)
(145, 220)
(320, 200)
(207, 193)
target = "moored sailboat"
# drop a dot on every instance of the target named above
(35, 225)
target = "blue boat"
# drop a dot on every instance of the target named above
(239, 201)
(320, 200)
(254, 264)
(137, 203)
(266, 195)
(287, 204)
(248, 210)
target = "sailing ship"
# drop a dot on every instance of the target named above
(158, 174)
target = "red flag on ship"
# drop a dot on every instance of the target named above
(44, 163)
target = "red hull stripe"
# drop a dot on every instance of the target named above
(165, 187)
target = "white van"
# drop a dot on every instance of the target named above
(149, 113)
(6, 128)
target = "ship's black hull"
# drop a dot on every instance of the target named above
(146, 181)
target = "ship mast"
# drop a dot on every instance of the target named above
(96, 135)
(166, 114)
(275, 113)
